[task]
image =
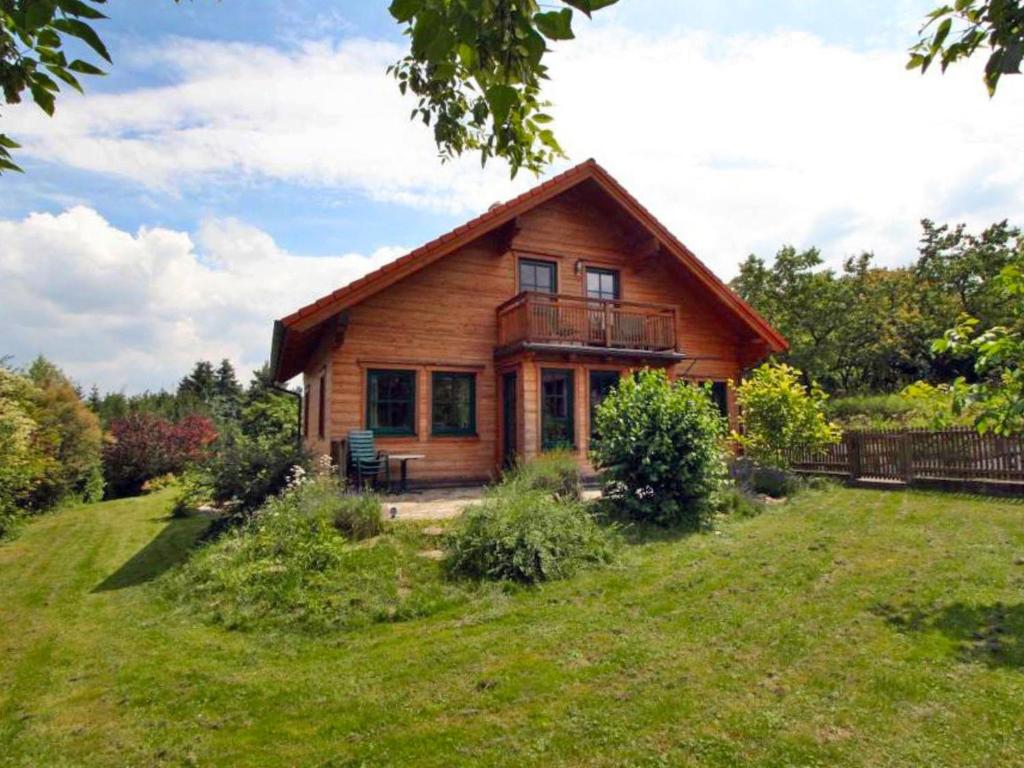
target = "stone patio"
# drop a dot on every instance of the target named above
(441, 503)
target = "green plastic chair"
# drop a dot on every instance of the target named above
(365, 462)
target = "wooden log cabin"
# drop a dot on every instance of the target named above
(498, 339)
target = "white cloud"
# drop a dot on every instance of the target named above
(738, 143)
(136, 310)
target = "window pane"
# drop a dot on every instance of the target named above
(453, 406)
(556, 409)
(536, 276)
(391, 401)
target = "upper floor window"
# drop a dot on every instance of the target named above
(539, 276)
(602, 284)
(453, 404)
(391, 402)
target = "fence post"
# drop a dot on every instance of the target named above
(853, 451)
(907, 456)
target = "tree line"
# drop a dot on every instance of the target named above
(864, 328)
(60, 446)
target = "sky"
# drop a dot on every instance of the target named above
(243, 158)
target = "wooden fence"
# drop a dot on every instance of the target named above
(919, 456)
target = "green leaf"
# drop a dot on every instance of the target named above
(555, 25)
(81, 9)
(66, 76)
(85, 68)
(39, 13)
(501, 98)
(83, 32)
(941, 34)
(589, 6)
(8, 142)
(42, 97)
(403, 10)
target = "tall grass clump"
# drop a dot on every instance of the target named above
(555, 471)
(524, 534)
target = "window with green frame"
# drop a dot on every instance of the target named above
(453, 403)
(556, 416)
(391, 402)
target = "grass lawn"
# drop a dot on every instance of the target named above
(847, 628)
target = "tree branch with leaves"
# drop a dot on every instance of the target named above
(476, 68)
(955, 32)
(33, 35)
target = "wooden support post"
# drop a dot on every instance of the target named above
(907, 457)
(853, 451)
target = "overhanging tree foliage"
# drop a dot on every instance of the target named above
(954, 32)
(476, 68)
(33, 38)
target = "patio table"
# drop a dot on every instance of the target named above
(404, 458)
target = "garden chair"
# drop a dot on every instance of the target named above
(365, 462)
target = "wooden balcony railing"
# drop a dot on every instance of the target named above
(578, 321)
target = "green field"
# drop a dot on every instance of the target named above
(845, 628)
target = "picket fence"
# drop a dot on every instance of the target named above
(912, 455)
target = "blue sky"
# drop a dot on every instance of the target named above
(243, 158)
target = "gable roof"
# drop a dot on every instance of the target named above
(288, 345)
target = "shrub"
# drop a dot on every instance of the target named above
(660, 449)
(252, 461)
(779, 416)
(21, 462)
(143, 446)
(68, 435)
(553, 471)
(49, 443)
(525, 535)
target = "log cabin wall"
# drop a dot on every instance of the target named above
(443, 318)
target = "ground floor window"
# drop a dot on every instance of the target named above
(391, 402)
(556, 423)
(601, 383)
(453, 404)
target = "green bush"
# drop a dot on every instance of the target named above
(252, 461)
(289, 567)
(660, 449)
(522, 534)
(556, 472)
(50, 444)
(779, 416)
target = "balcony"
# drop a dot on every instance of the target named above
(557, 322)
